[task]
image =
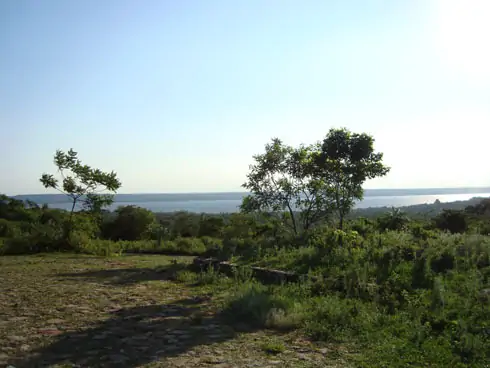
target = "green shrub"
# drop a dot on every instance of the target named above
(9, 229)
(191, 246)
(100, 247)
(211, 226)
(187, 277)
(169, 246)
(210, 276)
(362, 226)
(213, 246)
(261, 306)
(18, 245)
(452, 220)
(129, 223)
(273, 347)
(335, 319)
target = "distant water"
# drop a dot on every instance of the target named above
(229, 202)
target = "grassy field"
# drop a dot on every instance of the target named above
(131, 311)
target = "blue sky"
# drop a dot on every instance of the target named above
(176, 96)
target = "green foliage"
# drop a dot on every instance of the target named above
(305, 185)
(130, 223)
(211, 226)
(257, 305)
(362, 226)
(405, 291)
(404, 300)
(9, 229)
(186, 277)
(393, 220)
(480, 209)
(452, 221)
(281, 182)
(344, 162)
(273, 347)
(402, 294)
(213, 246)
(184, 224)
(82, 184)
(210, 277)
(190, 245)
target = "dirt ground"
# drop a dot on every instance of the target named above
(82, 311)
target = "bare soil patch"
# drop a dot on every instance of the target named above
(82, 311)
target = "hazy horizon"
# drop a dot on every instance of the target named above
(177, 97)
(368, 191)
(230, 202)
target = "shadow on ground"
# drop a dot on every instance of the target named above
(129, 276)
(136, 336)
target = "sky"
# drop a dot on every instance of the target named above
(177, 96)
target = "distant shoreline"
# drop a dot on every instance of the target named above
(213, 196)
(421, 202)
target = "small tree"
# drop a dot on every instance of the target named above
(454, 221)
(212, 226)
(184, 224)
(81, 184)
(344, 162)
(131, 223)
(395, 219)
(281, 183)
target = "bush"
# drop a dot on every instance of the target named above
(335, 319)
(18, 245)
(452, 221)
(211, 226)
(9, 229)
(190, 246)
(130, 223)
(99, 247)
(184, 225)
(261, 306)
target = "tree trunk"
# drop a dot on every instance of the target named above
(341, 221)
(69, 226)
(291, 213)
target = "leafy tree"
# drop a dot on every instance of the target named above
(240, 225)
(184, 224)
(480, 209)
(212, 226)
(453, 221)
(395, 220)
(345, 160)
(130, 223)
(81, 184)
(281, 182)
(12, 209)
(362, 226)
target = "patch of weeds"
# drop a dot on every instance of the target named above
(158, 284)
(334, 319)
(273, 347)
(210, 277)
(186, 277)
(262, 306)
(242, 273)
(283, 320)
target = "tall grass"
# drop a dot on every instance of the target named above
(400, 300)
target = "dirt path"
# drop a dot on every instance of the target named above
(74, 311)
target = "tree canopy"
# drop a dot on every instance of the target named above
(81, 183)
(281, 182)
(309, 184)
